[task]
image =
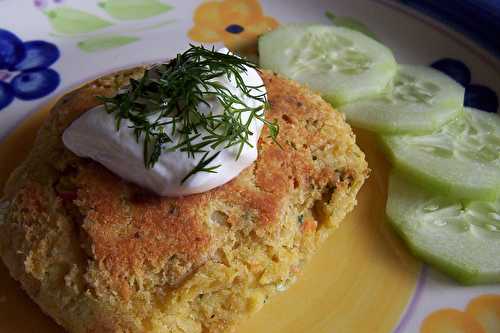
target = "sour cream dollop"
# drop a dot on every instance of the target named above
(94, 135)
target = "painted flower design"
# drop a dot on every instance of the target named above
(236, 23)
(476, 95)
(482, 315)
(81, 25)
(24, 68)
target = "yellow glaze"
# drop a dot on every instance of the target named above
(360, 281)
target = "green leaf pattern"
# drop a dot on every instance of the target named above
(74, 22)
(70, 21)
(134, 9)
(95, 44)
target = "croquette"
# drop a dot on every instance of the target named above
(102, 255)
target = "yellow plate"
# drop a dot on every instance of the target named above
(360, 281)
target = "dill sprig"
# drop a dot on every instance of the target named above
(169, 95)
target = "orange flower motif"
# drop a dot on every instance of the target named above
(236, 23)
(482, 315)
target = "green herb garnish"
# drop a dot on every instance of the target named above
(170, 94)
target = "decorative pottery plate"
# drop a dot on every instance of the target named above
(363, 279)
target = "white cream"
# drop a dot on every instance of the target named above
(94, 135)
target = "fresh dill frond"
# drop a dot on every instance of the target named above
(202, 166)
(170, 94)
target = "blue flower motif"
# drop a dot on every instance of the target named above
(476, 96)
(24, 68)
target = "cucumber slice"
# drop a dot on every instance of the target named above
(461, 159)
(462, 240)
(341, 64)
(420, 100)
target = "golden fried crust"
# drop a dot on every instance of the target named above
(99, 254)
